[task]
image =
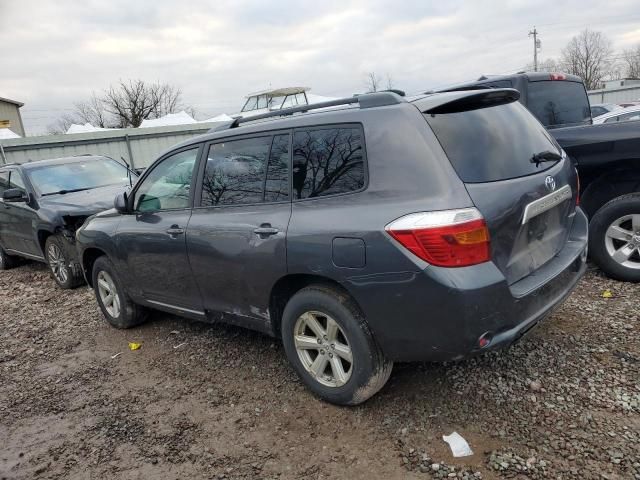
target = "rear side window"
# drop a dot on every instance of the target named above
(625, 117)
(276, 187)
(494, 143)
(557, 102)
(235, 172)
(327, 161)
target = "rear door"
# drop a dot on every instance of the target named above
(528, 206)
(237, 235)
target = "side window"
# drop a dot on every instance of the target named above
(235, 172)
(629, 117)
(277, 183)
(4, 181)
(611, 119)
(16, 181)
(168, 185)
(327, 161)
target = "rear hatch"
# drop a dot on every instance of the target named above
(527, 206)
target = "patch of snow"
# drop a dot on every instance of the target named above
(87, 127)
(180, 118)
(223, 117)
(6, 134)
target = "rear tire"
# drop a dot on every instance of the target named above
(614, 238)
(117, 307)
(7, 261)
(322, 329)
(65, 274)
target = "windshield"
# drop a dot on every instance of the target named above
(494, 143)
(77, 175)
(557, 102)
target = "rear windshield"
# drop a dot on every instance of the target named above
(557, 103)
(494, 143)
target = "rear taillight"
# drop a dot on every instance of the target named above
(448, 238)
(558, 76)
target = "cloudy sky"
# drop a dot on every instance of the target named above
(56, 53)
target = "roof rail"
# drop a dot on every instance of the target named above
(367, 100)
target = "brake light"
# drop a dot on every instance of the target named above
(448, 238)
(578, 194)
(558, 76)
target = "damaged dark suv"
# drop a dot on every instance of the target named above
(360, 231)
(43, 203)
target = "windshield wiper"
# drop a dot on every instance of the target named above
(546, 156)
(62, 192)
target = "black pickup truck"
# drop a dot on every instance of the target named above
(607, 157)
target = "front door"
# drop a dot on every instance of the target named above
(19, 220)
(152, 239)
(236, 238)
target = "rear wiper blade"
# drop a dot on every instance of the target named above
(546, 156)
(62, 192)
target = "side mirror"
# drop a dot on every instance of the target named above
(14, 195)
(120, 203)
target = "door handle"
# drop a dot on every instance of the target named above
(175, 230)
(265, 230)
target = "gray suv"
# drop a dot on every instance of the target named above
(360, 231)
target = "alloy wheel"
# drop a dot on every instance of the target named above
(108, 294)
(323, 348)
(58, 263)
(622, 241)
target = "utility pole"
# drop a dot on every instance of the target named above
(536, 45)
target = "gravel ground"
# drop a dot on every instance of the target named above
(213, 401)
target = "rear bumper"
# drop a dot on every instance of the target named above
(440, 314)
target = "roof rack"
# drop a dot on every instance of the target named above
(367, 100)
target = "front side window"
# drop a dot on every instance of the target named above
(168, 185)
(327, 162)
(235, 172)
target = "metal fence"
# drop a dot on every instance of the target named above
(139, 146)
(615, 95)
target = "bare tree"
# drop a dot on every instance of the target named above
(61, 125)
(547, 65)
(123, 105)
(372, 82)
(92, 111)
(631, 62)
(588, 55)
(133, 101)
(390, 84)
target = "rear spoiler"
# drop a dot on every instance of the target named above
(464, 100)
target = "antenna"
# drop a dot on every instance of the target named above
(128, 172)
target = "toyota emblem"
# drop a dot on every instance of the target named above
(550, 183)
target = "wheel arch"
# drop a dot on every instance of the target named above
(287, 286)
(89, 257)
(609, 185)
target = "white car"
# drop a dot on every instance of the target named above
(598, 109)
(622, 115)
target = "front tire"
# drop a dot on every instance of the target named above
(328, 342)
(61, 266)
(614, 238)
(7, 261)
(117, 307)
